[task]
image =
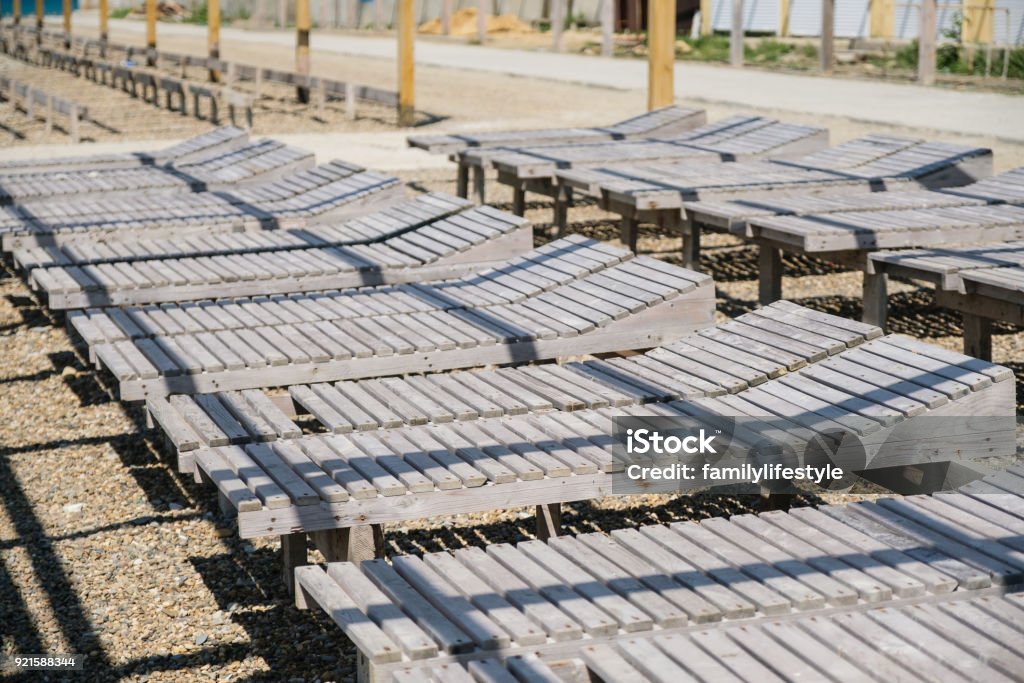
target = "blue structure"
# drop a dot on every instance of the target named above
(28, 7)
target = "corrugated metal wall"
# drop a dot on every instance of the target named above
(759, 16)
(852, 18)
(908, 19)
(1008, 25)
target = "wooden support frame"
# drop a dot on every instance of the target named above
(446, 17)
(705, 17)
(607, 28)
(40, 13)
(557, 24)
(661, 35)
(66, 12)
(783, 29)
(406, 64)
(481, 21)
(882, 16)
(104, 11)
(16, 12)
(151, 32)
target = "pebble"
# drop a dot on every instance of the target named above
(201, 638)
(74, 508)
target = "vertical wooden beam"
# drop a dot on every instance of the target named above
(661, 53)
(883, 15)
(978, 19)
(876, 298)
(446, 17)
(282, 13)
(783, 18)
(736, 34)
(16, 11)
(705, 17)
(557, 24)
(828, 38)
(40, 12)
(607, 27)
(323, 14)
(481, 21)
(406, 64)
(213, 37)
(104, 25)
(549, 517)
(352, 14)
(378, 15)
(926, 44)
(66, 10)
(151, 32)
(977, 336)
(769, 266)
(302, 25)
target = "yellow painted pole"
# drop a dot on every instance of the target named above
(104, 28)
(40, 12)
(705, 17)
(883, 15)
(151, 32)
(661, 51)
(16, 10)
(66, 8)
(213, 37)
(406, 64)
(302, 25)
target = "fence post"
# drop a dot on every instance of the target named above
(828, 41)
(607, 28)
(40, 12)
(926, 44)
(736, 34)
(446, 17)
(481, 20)
(151, 32)
(661, 53)
(406, 64)
(213, 37)
(66, 10)
(557, 24)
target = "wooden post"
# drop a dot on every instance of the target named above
(557, 24)
(481, 20)
(549, 518)
(282, 13)
(16, 11)
(784, 18)
(378, 15)
(926, 44)
(769, 266)
(661, 53)
(883, 14)
(736, 34)
(705, 17)
(322, 22)
(352, 11)
(607, 28)
(66, 8)
(261, 12)
(151, 32)
(876, 298)
(828, 41)
(978, 19)
(977, 336)
(406, 64)
(446, 17)
(213, 37)
(302, 22)
(40, 12)
(104, 26)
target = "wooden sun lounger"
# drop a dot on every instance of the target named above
(923, 587)
(256, 162)
(570, 297)
(442, 248)
(713, 362)
(389, 222)
(658, 193)
(850, 238)
(888, 391)
(983, 283)
(194, 149)
(660, 122)
(327, 193)
(533, 169)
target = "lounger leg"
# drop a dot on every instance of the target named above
(293, 554)
(977, 336)
(462, 181)
(549, 521)
(691, 247)
(769, 263)
(519, 200)
(478, 184)
(628, 232)
(563, 200)
(364, 542)
(876, 299)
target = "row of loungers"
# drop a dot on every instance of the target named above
(357, 441)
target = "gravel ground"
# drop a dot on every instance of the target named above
(110, 552)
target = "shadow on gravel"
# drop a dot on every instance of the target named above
(32, 314)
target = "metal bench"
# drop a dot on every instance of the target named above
(328, 193)
(460, 323)
(982, 283)
(660, 122)
(658, 193)
(733, 139)
(194, 149)
(861, 592)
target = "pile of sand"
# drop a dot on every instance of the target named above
(463, 23)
